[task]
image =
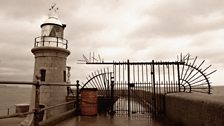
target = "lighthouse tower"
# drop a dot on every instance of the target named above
(51, 52)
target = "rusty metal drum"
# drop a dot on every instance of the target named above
(89, 101)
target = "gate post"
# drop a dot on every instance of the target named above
(129, 102)
(154, 87)
(77, 96)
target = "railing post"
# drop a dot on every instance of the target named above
(178, 75)
(37, 102)
(77, 96)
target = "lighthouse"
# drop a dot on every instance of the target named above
(51, 52)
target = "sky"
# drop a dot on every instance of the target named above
(139, 30)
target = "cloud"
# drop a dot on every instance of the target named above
(24, 9)
(115, 29)
(179, 18)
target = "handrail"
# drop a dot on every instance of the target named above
(34, 83)
(43, 109)
(54, 106)
(17, 82)
(57, 84)
(16, 115)
(43, 41)
(36, 111)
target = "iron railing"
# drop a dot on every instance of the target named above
(36, 111)
(47, 41)
(148, 82)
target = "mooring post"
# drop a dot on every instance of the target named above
(37, 101)
(77, 96)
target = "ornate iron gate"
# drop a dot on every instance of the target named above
(138, 88)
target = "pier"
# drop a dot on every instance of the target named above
(126, 93)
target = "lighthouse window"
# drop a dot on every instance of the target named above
(43, 74)
(64, 76)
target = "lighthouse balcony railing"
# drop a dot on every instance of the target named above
(48, 41)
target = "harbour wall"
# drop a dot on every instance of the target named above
(194, 109)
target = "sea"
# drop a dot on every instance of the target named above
(11, 95)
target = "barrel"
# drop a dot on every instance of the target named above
(22, 108)
(89, 102)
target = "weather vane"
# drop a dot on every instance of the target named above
(53, 7)
(53, 11)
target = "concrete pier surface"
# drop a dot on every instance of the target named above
(11, 121)
(108, 121)
(95, 121)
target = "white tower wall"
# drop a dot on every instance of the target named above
(53, 60)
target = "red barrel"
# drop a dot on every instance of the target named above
(89, 101)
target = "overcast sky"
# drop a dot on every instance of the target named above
(139, 30)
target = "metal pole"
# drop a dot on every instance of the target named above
(154, 87)
(37, 102)
(77, 96)
(129, 102)
(112, 94)
(178, 74)
(35, 43)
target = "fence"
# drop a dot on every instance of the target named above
(148, 82)
(37, 109)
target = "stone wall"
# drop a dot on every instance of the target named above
(195, 109)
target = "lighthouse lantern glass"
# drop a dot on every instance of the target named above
(52, 31)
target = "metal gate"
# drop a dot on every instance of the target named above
(137, 89)
(141, 86)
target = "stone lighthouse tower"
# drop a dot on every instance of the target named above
(51, 52)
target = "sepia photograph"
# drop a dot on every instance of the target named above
(112, 62)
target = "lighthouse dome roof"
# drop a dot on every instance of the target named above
(52, 17)
(52, 21)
